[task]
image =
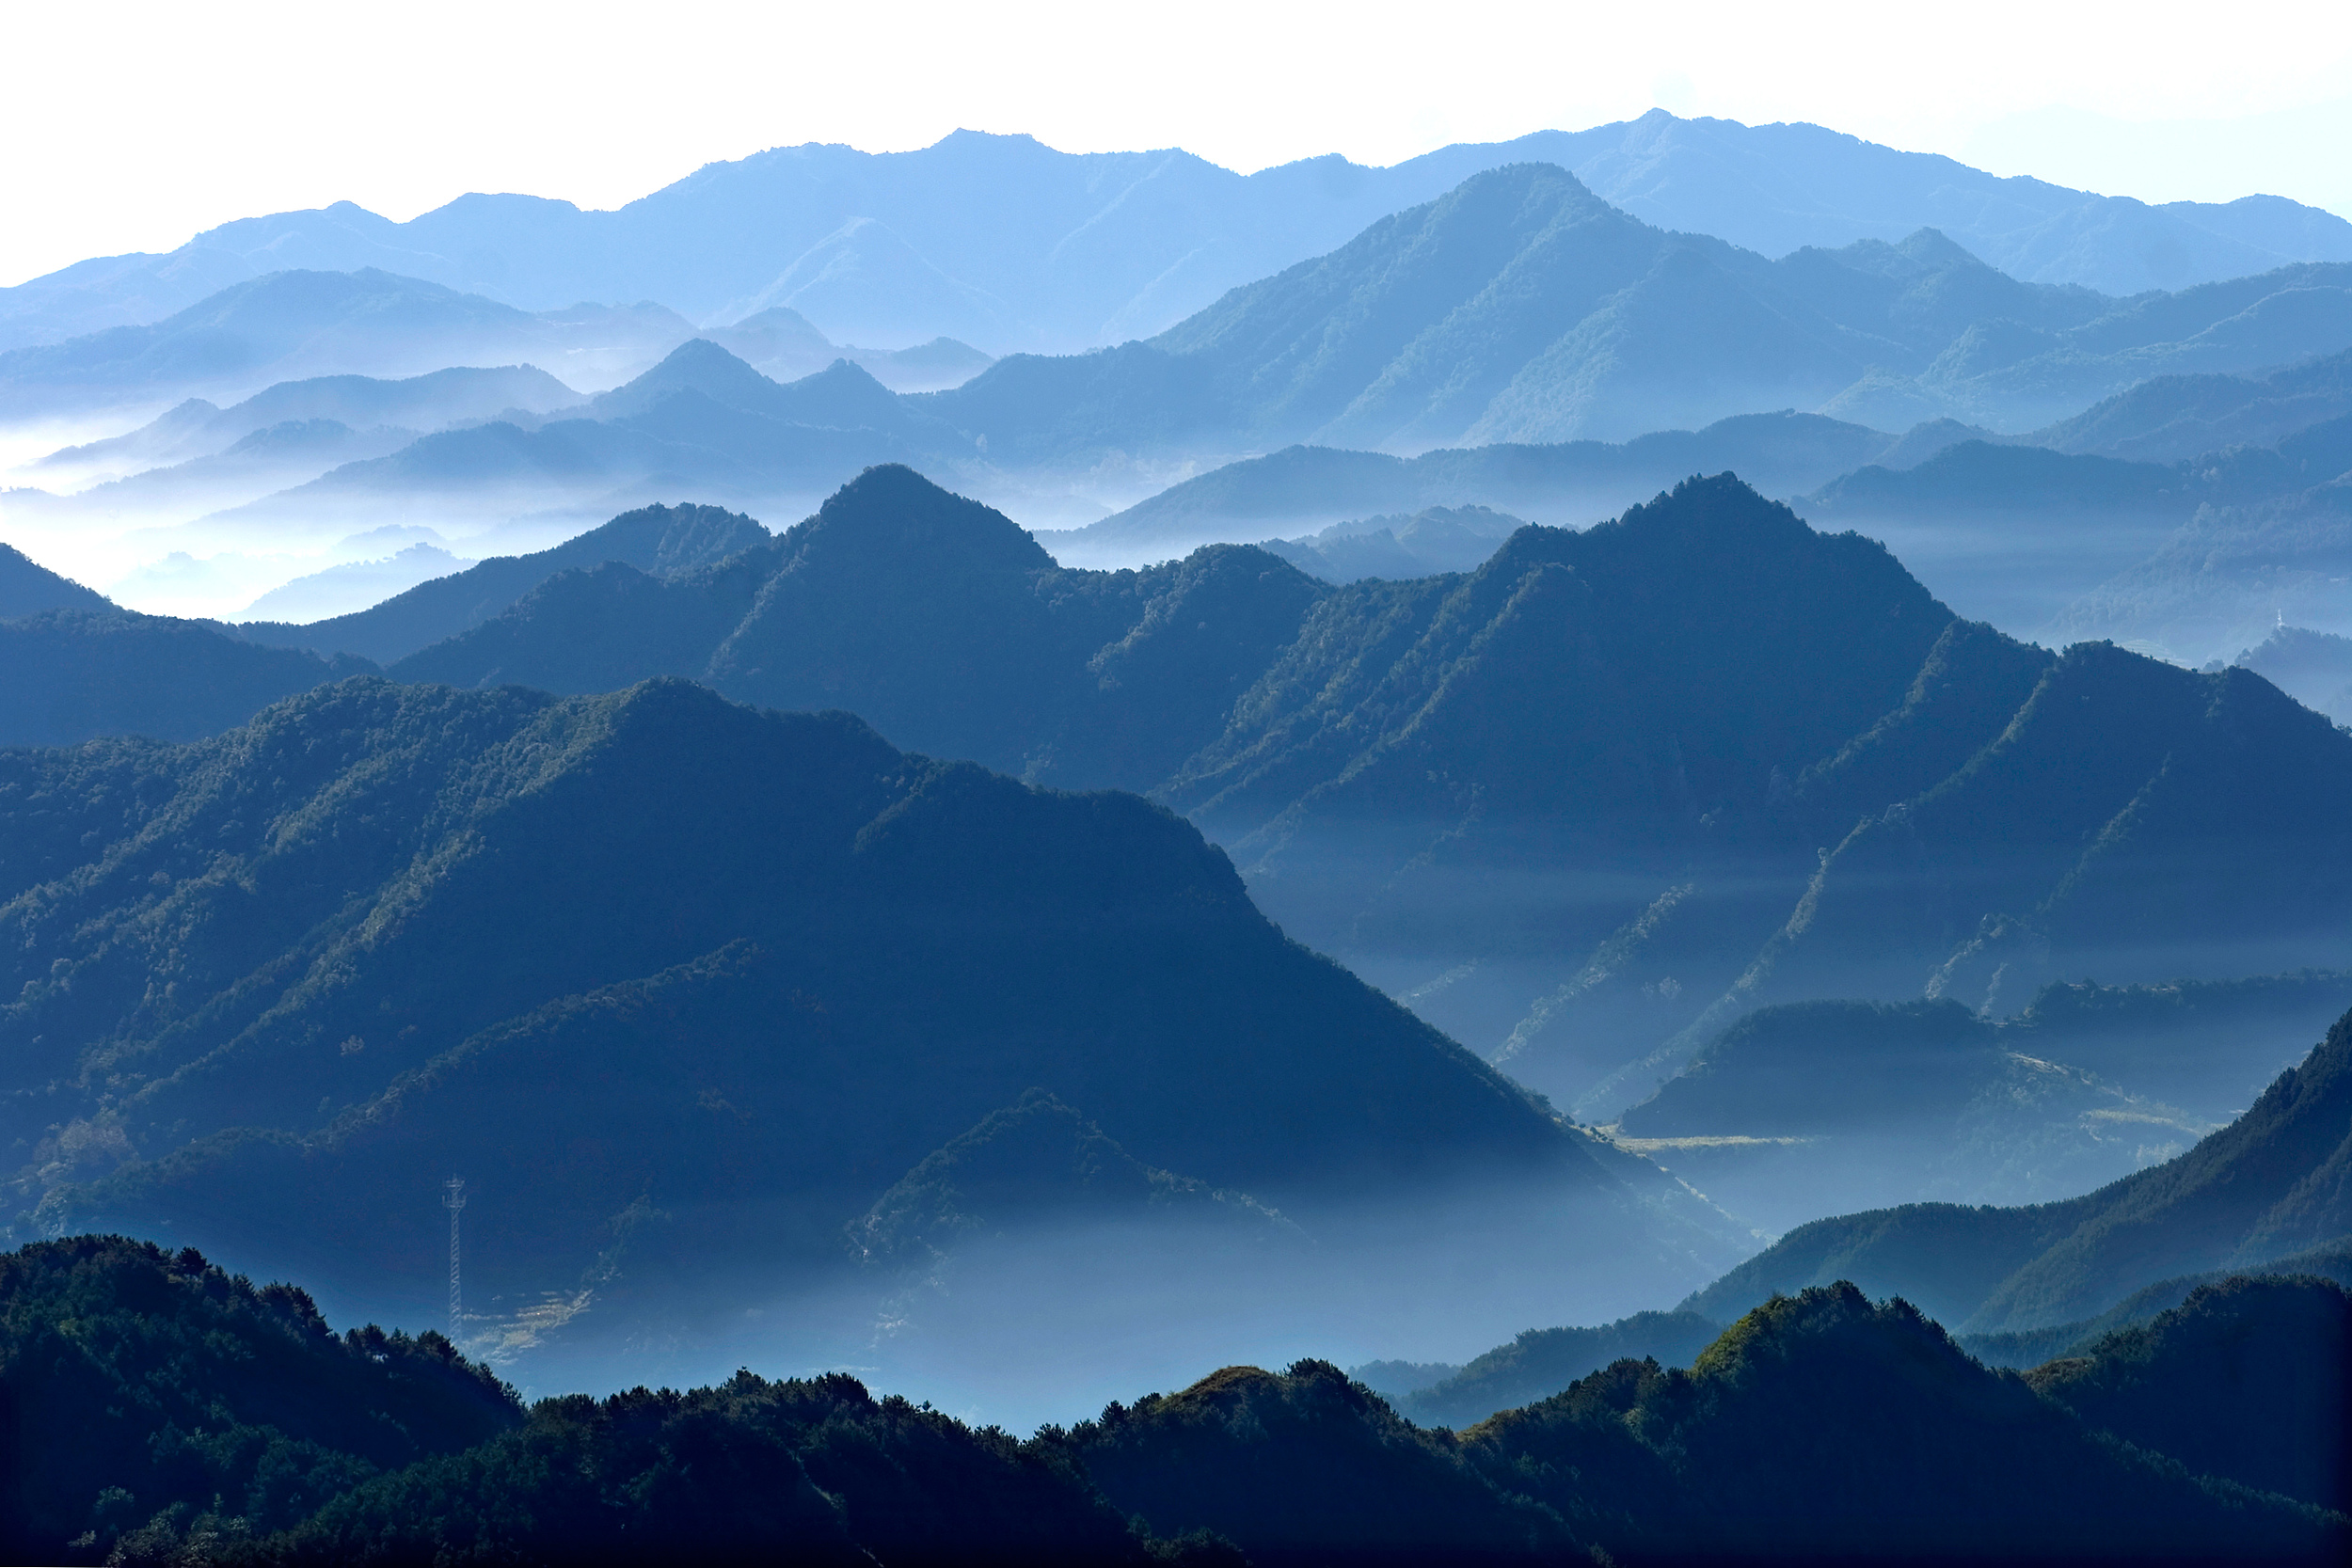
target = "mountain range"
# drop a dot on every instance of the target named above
(1583, 806)
(776, 963)
(1003, 241)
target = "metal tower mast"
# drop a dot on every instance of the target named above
(454, 1201)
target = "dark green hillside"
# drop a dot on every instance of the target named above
(1304, 1467)
(1821, 1426)
(660, 540)
(75, 673)
(1544, 1361)
(804, 1471)
(28, 589)
(772, 961)
(2268, 1184)
(2250, 1379)
(135, 1382)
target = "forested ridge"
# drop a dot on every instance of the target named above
(155, 1410)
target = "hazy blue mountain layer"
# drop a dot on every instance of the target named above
(1013, 245)
(198, 428)
(2232, 575)
(2268, 1185)
(288, 326)
(1520, 307)
(1814, 1107)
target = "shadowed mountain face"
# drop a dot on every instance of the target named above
(772, 961)
(2268, 1185)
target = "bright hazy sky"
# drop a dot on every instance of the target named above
(132, 126)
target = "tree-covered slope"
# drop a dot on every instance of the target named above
(2247, 1379)
(138, 1385)
(1825, 1426)
(771, 961)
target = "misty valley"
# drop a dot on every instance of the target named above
(1496, 861)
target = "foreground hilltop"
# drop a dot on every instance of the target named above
(160, 1410)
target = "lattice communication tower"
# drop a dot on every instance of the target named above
(454, 1200)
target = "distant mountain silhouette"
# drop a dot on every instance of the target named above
(1061, 251)
(2080, 544)
(292, 324)
(2261, 1188)
(28, 589)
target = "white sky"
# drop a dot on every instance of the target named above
(131, 126)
